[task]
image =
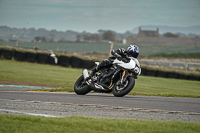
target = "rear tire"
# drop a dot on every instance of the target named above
(128, 86)
(80, 87)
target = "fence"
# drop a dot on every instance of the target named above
(76, 62)
(185, 65)
(146, 48)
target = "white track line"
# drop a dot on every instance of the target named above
(20, 112)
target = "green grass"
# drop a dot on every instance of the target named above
(63, 79)
(38, 74)
(153, 86)
(146, 48)
(30, 124)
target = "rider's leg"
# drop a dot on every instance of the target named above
(104, 63)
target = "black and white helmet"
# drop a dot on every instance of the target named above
(133, 51)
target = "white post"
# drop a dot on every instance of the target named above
(17, 43)
(186, 65)
(170, 64)
(83, 52)
(111, 48)
(57, 47)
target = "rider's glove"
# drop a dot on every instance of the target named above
(117, 55)
(119, 58)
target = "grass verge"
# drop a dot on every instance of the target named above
(30, 124)
(63, 79)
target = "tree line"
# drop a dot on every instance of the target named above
(82, 37)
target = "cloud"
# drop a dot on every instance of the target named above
(116, 14)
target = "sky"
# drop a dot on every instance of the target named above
(92, 15)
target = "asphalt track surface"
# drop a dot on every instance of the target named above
(140, 104)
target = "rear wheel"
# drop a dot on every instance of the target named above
(121, 89)
(80, 87)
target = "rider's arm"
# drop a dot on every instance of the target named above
(118, 52)
(114, 53)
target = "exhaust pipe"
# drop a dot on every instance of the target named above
(85, 73)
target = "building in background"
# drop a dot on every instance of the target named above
(148, 33)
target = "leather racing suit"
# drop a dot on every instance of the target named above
(120, 54)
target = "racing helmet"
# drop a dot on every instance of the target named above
(133, 51)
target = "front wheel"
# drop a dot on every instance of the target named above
(121, 89)
(80, 87)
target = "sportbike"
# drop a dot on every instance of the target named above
(119, 78)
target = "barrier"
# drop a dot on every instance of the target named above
(164, 63)
(172, 75)
(193, 65)
(143, 71)
(31, 57)
(87, 64)
(150, 72)
(64, 61)
(7, 54)
(191, 77)
(178, 64)
(19, 56)
(161, 74)
(75, 62)
(184, 65)
(183, 76)
(42, 58)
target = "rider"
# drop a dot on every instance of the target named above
(120, 54)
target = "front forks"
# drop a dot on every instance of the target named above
(124, 76)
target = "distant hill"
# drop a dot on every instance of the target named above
(164, 29)
(8, 33)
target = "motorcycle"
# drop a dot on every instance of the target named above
(119, 78)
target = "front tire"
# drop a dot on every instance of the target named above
(80, 87)
(121, 90)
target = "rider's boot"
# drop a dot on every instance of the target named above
(96, 69)
(93, 71)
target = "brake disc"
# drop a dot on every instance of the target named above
(121, 86)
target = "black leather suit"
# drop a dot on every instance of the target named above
(120, 54)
